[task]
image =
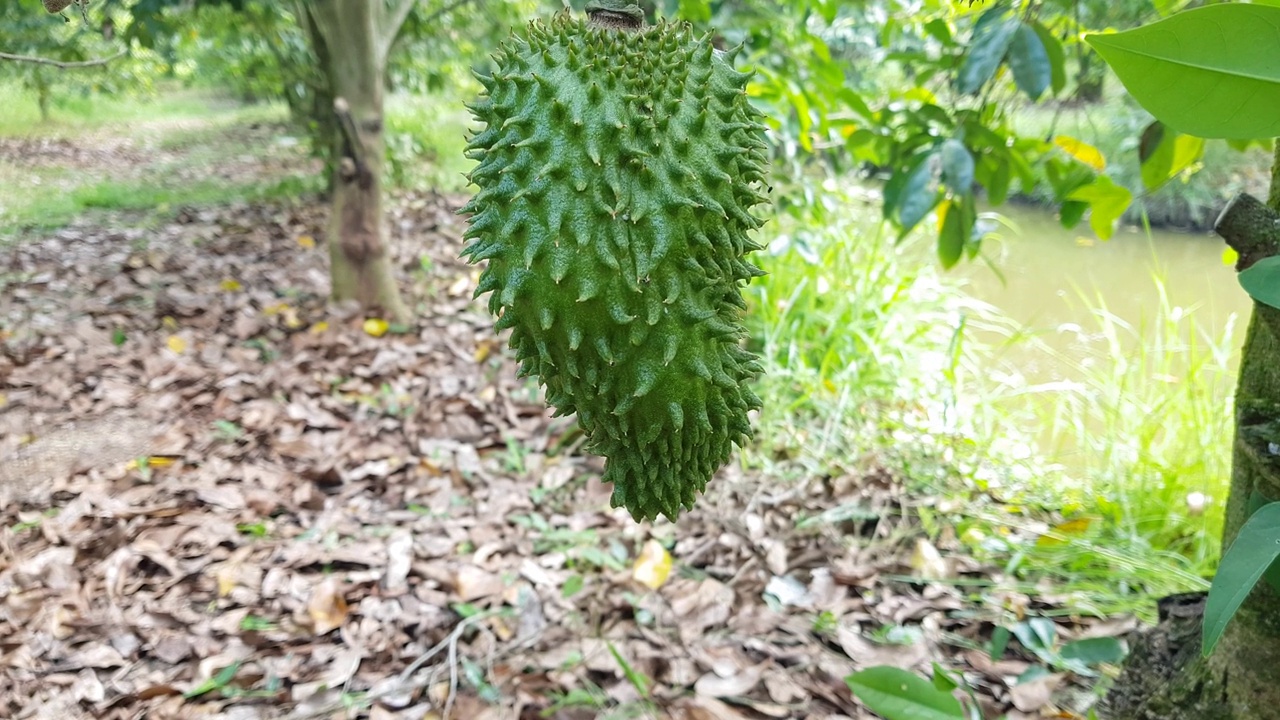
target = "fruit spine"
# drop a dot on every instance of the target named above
(619, 165)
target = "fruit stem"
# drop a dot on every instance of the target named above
(615, 14)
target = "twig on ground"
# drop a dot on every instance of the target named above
(405, 682)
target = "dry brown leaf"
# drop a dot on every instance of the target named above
(1033, 695)
(472, 583)
(326, 607)
(713, 685)
(865, 653)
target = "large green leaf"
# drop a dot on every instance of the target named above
(1211, 71)
(901, 695)
(1254, 549)
(1262, 281)
(992, 35)
(1029, 62)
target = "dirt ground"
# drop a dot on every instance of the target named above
(222, 497)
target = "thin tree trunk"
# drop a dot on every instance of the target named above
(354, 44)
(1248, 657)
(42, 94)
(1166, 679)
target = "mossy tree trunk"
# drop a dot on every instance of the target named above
(352, 38)
(1241, 680)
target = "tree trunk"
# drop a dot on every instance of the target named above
(1241, 680)
(42, 93)
(353, 36)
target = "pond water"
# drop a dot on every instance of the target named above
(1177, 319)
(1046, 279)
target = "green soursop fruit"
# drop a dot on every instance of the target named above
(619, 165)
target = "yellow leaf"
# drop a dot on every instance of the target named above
(1070, 527)
(319, 328)
(928, 562)
(921, 94)
(158, 462)
(327, 608)
(376, 327)
(276, 308)
(943, 207)
(1082, 151)
(482, 350)
(306, 242)
(169, 323)
(653, 566)
(1230, 256)
(230, 285)
(177, 344)
(4, 400)
(226, 576)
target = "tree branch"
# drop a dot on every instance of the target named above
(388, 30)
(392, 33)
(59, 64)
(446, 9)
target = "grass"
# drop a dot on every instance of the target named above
(427, 141)
(872, 355)
(851, 326)
(177, 141)
(1142, 430)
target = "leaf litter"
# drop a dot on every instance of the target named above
(221, 496)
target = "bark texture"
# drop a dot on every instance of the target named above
(352, 38)
(1166, 678)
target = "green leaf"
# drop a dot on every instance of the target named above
(1155, 153)
(1071, 213)
(1254, 550)
(1107, 202)
(1057, 57)
(221, 680)
(901, 695)
(1210, 71)
(992, 35)
(957, 166)
(1165, 153)
(638, 680)
(919, 193)
(1262, 281)
(572, 586)
(940, 30)
(943, 680)
(999, 642)
(696, 11)
(1095, 651)
(1029, 62)
(997, 182)
(958, 218)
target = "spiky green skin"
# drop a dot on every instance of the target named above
(617, 175)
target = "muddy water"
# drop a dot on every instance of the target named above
(1050, 285)
(1047, 280)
